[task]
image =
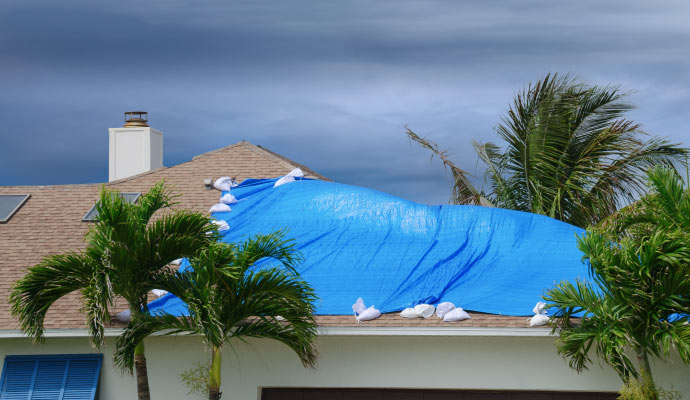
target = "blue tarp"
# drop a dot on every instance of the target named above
(395, 253)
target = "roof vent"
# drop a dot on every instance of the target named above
(136, 118)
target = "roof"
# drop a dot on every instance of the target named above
(51, 222)
(477, 320)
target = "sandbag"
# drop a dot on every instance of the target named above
(409, 313)
(224, 183)
(359, 306)
(443, 308)
(539, 320)
(456, 314)
(221, 225)
(424, 310)
(124, 316)
(227, 198)
(539, 308)
(220, 207)
(369, 314)
(290, 177)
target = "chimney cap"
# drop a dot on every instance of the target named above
(136, 119)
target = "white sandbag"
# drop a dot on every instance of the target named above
(369, 314)
(221, 225)
(176, 261)
(443, 308)
(159, 292)
(359, 306)
(456, 314)
(227, 198)
(290, 177)
(409, 313)
(220, 207)
(424, 310)
(124, 316)
(539, 308)
(284, 180)
(296, 173)
(539, 320)
(224, 183)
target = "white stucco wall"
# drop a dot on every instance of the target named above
(452, 362)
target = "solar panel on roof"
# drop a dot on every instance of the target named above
(131, 198)
(9, 204)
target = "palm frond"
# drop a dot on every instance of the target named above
(463, 192)
(157, 198)
(44, 284)
(271, 246)
(568, 153)
(229, 300)
(140, 328)
(177, 235)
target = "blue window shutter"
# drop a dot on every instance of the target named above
(50, 377)
(17, 379)
(82, 379)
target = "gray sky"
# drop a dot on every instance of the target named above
(328, 84)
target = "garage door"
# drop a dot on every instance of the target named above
(400, 394)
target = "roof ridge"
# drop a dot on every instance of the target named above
(275, 156)
(267, 154)
(208, 153)
(129, 178)
(173, 166)
(259, 150)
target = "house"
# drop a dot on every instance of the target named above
(486, 357)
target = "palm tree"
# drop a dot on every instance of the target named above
(126, 251)
(639, 299)
(666, 207)
(230, 298)
(569, 153)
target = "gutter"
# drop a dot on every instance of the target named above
(334, 331)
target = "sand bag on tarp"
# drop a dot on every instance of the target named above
(443, 308)
(369, 314)
(456, 314)
(220, 207)
(224, 183)
(359, 306)
(227, 198)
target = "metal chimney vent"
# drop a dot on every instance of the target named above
(136, 119)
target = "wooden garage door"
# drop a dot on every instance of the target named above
(401, 394)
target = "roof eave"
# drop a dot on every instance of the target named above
(338, 331)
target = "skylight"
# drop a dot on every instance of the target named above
(9, 204)
(131, 198)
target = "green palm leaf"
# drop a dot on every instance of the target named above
(568, 152)
(235, 292)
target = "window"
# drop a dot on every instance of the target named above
(9, 204)
(131, 198)
(59, 377)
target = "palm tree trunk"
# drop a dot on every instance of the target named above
(646, 372)
(141, 372)
(214, 375)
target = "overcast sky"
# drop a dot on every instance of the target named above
(330, 84)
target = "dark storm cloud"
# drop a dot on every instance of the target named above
(329, 84)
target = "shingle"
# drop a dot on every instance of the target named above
(477, 320)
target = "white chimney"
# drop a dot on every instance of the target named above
(134, 148)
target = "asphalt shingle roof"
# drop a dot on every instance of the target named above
(50, 222)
